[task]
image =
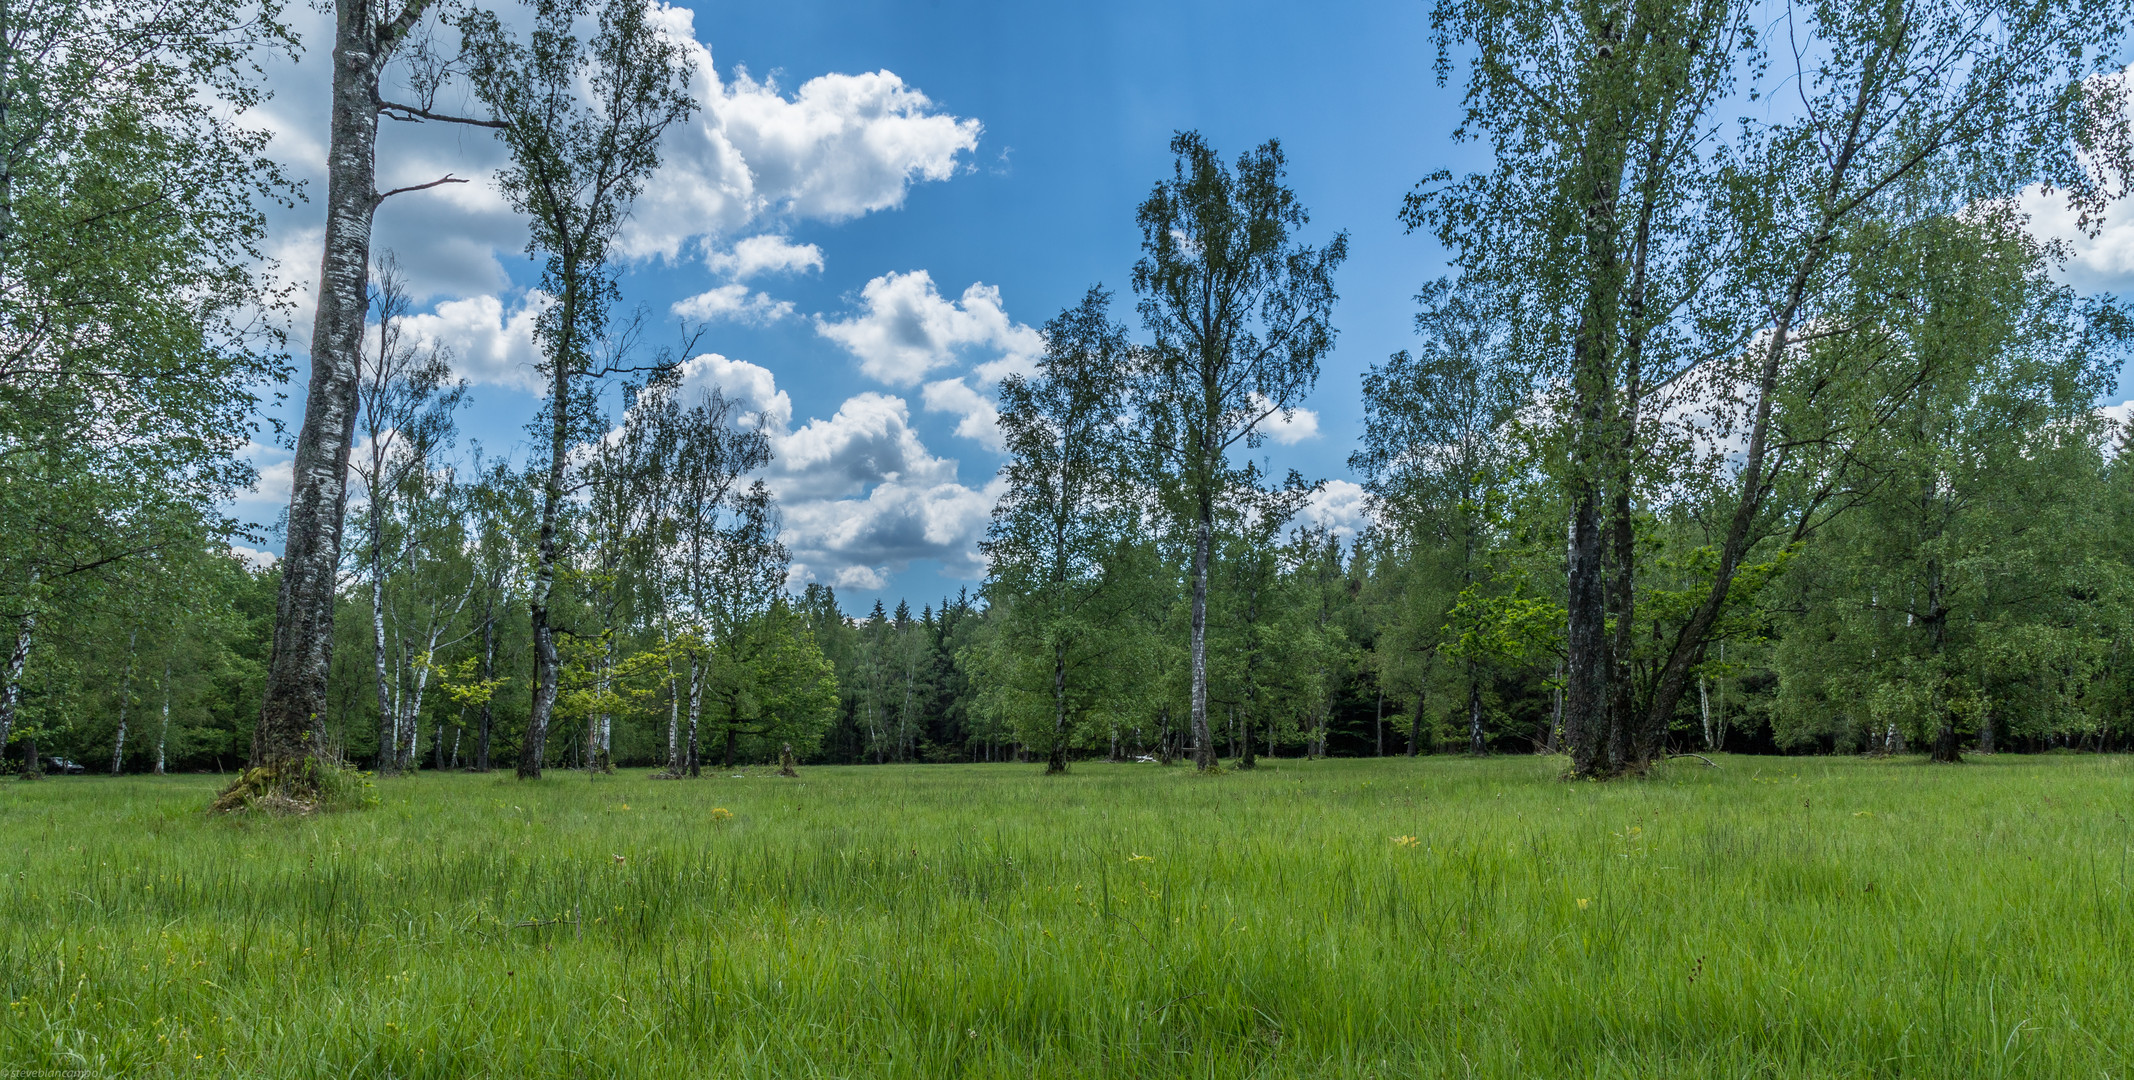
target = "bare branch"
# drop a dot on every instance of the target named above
(391, 109)
(448, 178)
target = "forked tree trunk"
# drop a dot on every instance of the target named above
(547, 666)
(422, 683)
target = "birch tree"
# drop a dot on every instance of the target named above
(405, 397)
(729, 564)
(368, 34)
(1067, 508)
(1240, 319)
(1668, 263)
(583, 120)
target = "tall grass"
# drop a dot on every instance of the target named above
(1774, 918)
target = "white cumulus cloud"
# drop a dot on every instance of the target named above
(839, 147)
(253, 558)
(276, 472)
(868, 441)
(491, 344)
(733, 302)
(909, 329)
(1342, 507)
(980, 416)
(743, 382)
(893, 525)
(2103, 262)
(861, 495)
(1288, 429)
(766, 254)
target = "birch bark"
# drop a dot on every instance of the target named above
(163, 729)
(289, 731)
(118, 746)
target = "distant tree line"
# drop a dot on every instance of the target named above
(1772, 434)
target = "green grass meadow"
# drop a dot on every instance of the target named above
(1795, 917)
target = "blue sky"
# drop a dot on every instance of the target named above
(999, 150)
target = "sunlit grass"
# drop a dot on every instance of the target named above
(1777, 917)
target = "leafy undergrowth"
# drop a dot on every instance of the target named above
(1774, 918)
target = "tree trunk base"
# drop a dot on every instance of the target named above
(1945, 751)
(296, 788)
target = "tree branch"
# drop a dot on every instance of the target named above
(448, 178)
(415, 116)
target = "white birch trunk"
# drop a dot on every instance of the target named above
(163, 730)
(1704, 704)
(388, 716)
(696, 709)
(1203, 740)
(294, 703)
(674, 719)
(11, 689)
(118, 745)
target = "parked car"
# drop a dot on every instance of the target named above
(61, 765)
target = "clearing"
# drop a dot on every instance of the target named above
(1778, 917)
